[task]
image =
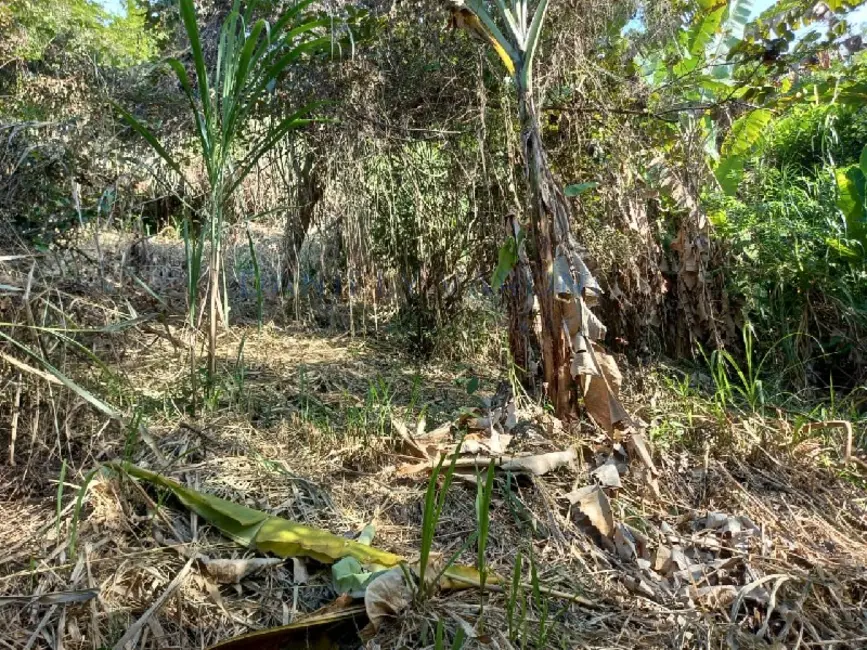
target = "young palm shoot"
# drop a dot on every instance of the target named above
(483, 525)
(250, 59)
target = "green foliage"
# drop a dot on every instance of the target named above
(484, 494)
(797, 267)
(810, 133)
(426, 228)
(84, 28)
(743, 136)
(851, 199)
(434, 501)
(579, 188)
(507, 258)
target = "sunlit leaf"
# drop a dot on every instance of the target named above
(729, 173)
(579, 188)
(851, 194)
(746, 132)
(507, 258)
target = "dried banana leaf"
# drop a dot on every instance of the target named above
(325, 629)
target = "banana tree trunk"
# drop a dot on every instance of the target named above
(523, 334)
(549, 231)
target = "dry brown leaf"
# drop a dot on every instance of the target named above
(386, 597)
(637, 444)
(411, 447)
(54, 598)
(601, 391)
(572, 316)
(594, 504)
(541, 463)
(638, 586)
(713, 596)
(412, 469)
(662, 562)
(607, 475)
(230, 572)
(624, 543)
(300, 576)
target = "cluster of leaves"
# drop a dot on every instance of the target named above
(81, 28)
(426, 229)
(795, 227)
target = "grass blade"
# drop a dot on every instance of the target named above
(60, 485)
(188, 16)
(76, 515)
(66, 381)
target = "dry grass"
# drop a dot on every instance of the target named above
(298, 427)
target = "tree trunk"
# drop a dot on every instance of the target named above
(308, 193)
(549, 229)
(523, 338)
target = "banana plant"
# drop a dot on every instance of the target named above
(251, 56)
(521, 37)
(560, 278)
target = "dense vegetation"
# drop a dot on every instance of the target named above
(525, 191)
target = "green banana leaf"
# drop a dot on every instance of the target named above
(348, 576)
(259, 530)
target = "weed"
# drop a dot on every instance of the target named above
(439, 638)
(60, 484)
(239, 375)
(257, 278)
(522, 515)
(76, 515)
(747, 383)
(515, 594)
(539, 602)
(132, 439)
(434, 500)
(415, 391)
(484, 493)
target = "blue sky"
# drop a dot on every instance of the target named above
(114, 6)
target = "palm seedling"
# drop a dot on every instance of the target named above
(250, 58)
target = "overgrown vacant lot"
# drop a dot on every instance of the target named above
(393, 325)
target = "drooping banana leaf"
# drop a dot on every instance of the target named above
(259, 530)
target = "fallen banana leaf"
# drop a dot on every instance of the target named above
(260, 530)
(325, 629)
(284, 538)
